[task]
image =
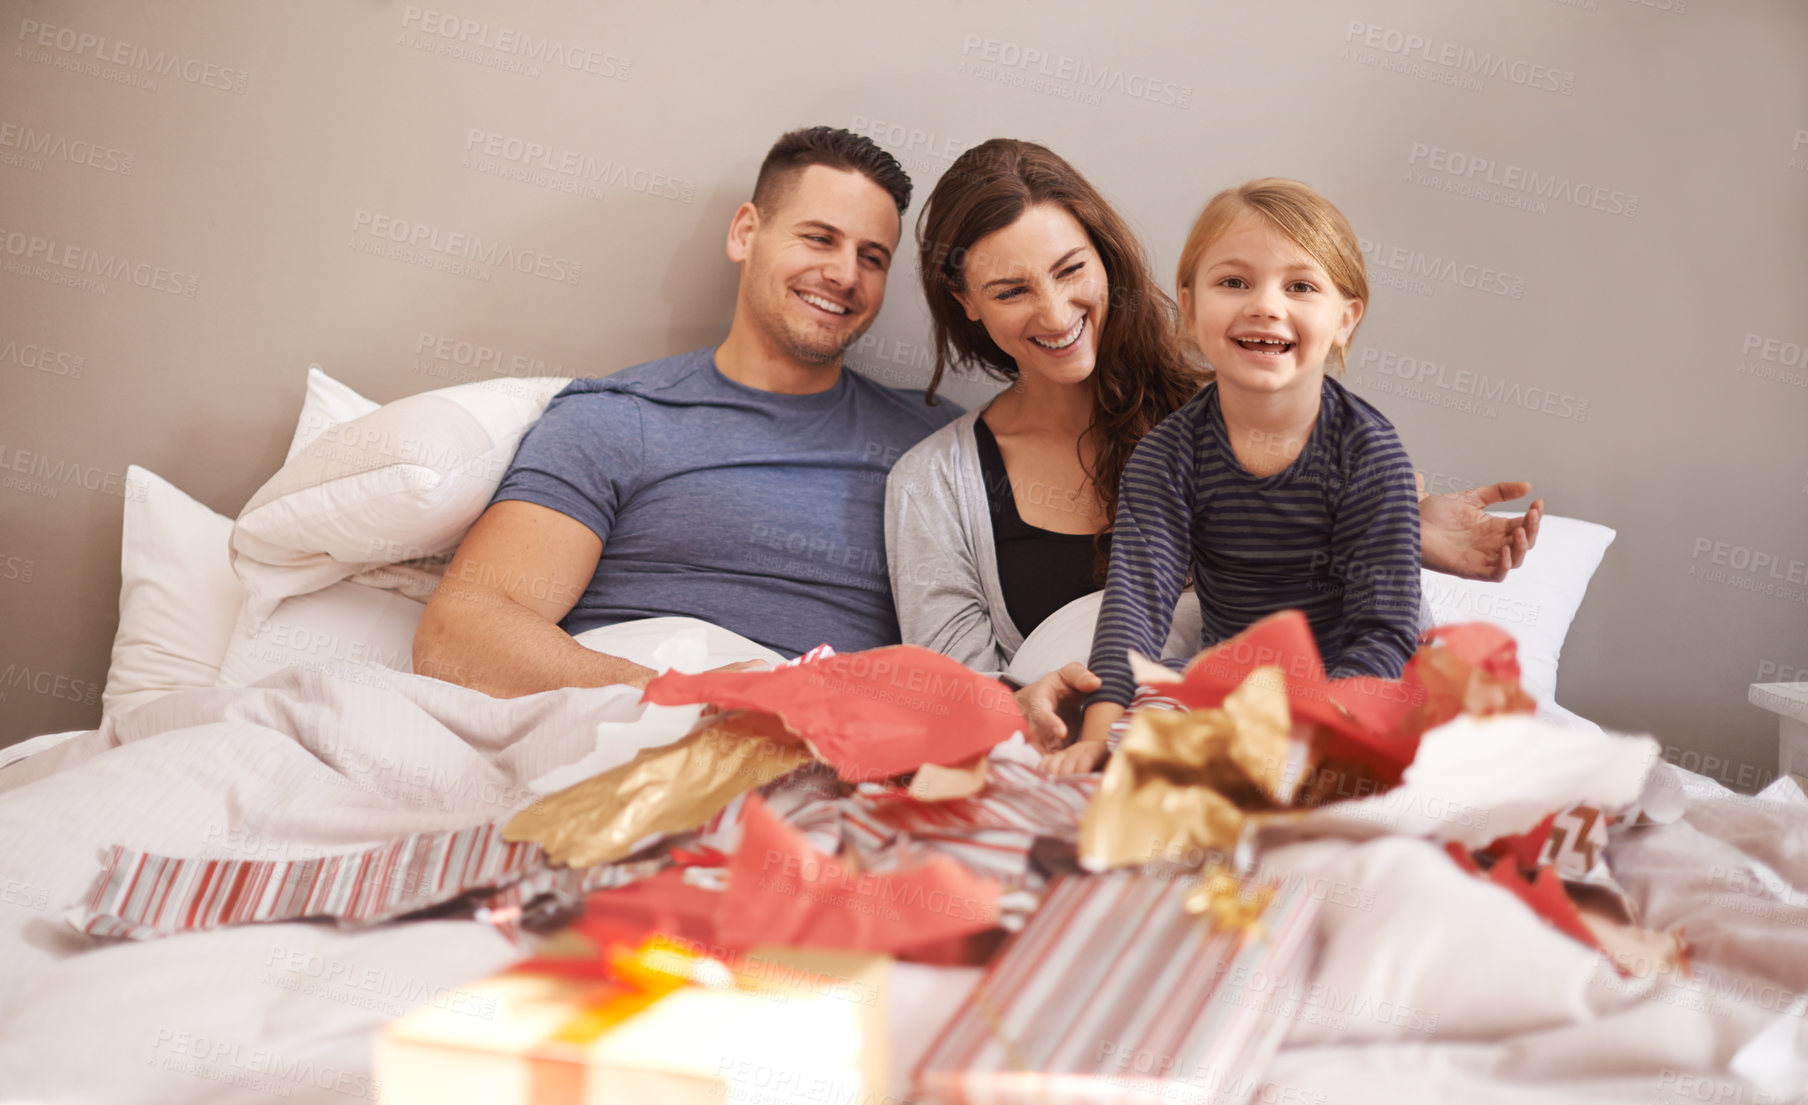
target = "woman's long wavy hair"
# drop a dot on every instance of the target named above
(1141, 374)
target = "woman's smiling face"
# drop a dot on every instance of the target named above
(1038, 287)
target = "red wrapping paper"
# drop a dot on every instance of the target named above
(870, 715)
(783, 891)
(1362, 714)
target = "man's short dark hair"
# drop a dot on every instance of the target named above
(835, 148)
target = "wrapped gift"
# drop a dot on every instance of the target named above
(1129, 986)
(665, 1022)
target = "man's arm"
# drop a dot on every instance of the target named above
(493, 625)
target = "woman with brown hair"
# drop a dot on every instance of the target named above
(1004, 516)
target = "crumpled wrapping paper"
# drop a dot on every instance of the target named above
(1266, 750)
(1477, 779)
(870, 715)
(1181, 783)
(670, 789)
(783, 891)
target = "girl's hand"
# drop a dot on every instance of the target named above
(1077, 758)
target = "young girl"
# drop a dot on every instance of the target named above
(1275, 485)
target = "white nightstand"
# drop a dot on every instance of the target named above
(1789, 701)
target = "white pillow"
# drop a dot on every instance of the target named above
(178, 598)
(1066, 635)
(1537, 600)
(399, 483)
(327, 403)
(347, 622)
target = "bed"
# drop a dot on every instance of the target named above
(268, 713)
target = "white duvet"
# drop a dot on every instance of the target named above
(1428, 993)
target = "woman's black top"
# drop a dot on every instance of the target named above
(1039, 570)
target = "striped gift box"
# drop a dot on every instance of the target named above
(142, 896)
(1115, 992)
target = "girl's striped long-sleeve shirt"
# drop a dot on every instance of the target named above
(1334, 534)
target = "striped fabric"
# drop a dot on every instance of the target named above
(991, 833)
(1335, 534)
(1114, 992)
(1147, 698)
(141, 896)
(557, 891)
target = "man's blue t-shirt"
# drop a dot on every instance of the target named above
(762, 513)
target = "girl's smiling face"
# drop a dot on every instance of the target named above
(1039, 288)
(1265, 314)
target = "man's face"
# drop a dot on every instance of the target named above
(813, 268)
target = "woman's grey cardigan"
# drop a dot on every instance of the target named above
(938, 544)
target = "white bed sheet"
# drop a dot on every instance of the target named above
(311, 761)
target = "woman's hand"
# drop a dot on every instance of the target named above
(1458, 537)
(1076, 759)
(1051, 705)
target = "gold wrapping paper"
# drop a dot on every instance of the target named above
(670, 789)
(1182, 783)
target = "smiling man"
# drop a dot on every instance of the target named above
(743, 485)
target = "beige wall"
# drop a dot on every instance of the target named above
(225, 164)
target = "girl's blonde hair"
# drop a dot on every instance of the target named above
(1297, 210)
